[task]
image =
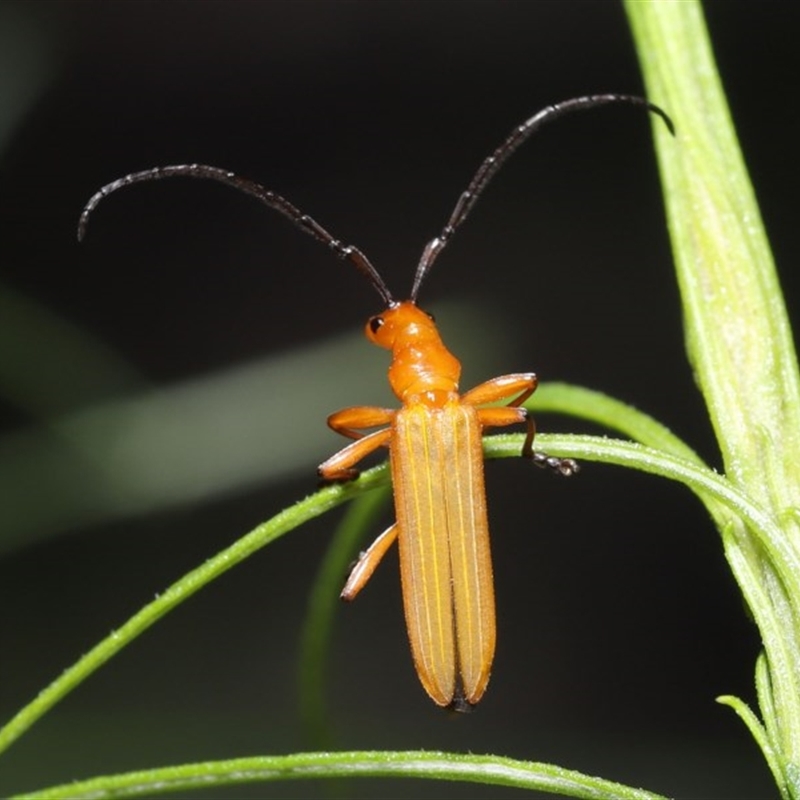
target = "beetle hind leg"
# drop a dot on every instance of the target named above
(367, 562)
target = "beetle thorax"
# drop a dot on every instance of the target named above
(422, 369)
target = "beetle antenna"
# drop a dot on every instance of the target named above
(269, 198)
(488, 169)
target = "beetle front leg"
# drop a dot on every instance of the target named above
(515, 388)
(350, 421)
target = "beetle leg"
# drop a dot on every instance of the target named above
(521, 384)
(367, 562)
(340, 466)
(500, 416)
(349, 421)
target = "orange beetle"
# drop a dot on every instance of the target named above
(436, 453)
(434, 441)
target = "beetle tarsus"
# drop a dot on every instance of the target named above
(345, 476)
(562, 466)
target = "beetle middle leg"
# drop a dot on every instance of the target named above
(341, 466)
(518, 387)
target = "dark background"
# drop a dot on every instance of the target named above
(619, 622)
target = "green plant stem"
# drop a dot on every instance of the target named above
(739, 343)
(181, 590)
(589, 404)
(317, 633)
(309, 766)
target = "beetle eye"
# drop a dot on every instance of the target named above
(375, 323)
(431, 317)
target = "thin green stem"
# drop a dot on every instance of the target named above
(181, 590)
(492, 770)
(589, 404)
(317, 633)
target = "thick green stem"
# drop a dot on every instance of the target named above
(737, 336)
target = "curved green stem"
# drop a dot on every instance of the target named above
(309, 766)
(181, 590)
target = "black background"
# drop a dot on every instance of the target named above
(618, 619)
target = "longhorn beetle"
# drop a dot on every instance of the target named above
(434, 439)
